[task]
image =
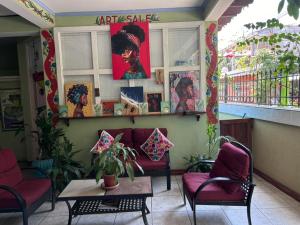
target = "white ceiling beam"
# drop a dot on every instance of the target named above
(40, 19)
(214, 12)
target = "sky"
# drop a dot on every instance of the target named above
(258, 11)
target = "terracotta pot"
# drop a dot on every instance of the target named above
(110, 180)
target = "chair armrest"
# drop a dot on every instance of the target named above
(202, 161)
(36, 169)
(16, 194)
(216, 180)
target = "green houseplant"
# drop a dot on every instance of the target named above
(114, 162)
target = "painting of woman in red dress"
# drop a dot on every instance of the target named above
(130, 50)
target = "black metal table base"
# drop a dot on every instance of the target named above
(85, 207)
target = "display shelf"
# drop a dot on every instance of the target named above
(197, 115)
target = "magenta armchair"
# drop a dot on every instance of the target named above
(18, 194)
(230, 181)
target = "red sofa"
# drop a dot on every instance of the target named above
(18, 194)
(134, 138)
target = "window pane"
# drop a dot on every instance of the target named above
(104, 50)
(184, 47)
(156, 48)
(76, 51)
(149, 85)
(109, 88)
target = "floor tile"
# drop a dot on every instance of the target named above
(58, 220)
(210, 217)
(239, 217)
(133, 218)
(269, 200)
(283, 216)
(102, 219)
(17, 219)
(167, 203)
(171, 218)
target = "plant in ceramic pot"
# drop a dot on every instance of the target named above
(114, 161)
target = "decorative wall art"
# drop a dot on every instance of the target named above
(159, 76)
(79, 99)
(108, 107)
(154, 100)
(11, 110)
(63, 111)
(143, 108)
(130, 50)
(184, 88)
(165, 107)
(118, 109)
(131, 97)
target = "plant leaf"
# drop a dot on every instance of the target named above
(280, 6)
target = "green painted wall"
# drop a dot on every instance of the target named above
(16, 24)
(276, 152)
(65, 21)
(188, 135)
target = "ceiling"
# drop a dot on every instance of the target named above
(59, 6)
(5, 12)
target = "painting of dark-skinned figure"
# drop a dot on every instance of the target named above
(79, 99)
(131, 97)
(130, 50)
(184, 91)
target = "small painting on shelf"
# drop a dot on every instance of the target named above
(184, 91)
(11, 110)
(131, 97)
(165, 107)
(130, 50)
(154, 100)
(118, 109)
(108, 107)
(79, 99)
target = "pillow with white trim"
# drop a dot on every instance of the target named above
(156, 145)
(103, 143)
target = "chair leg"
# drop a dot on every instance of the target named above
(249, 214)
(183, 194)
(169, 180)
(194, 213)
(53, 201)
(25, 218)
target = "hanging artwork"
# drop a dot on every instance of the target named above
(131, 97)
(108, 107)
(79, 99)
(184, 88)
(11, 110)
(130, 50)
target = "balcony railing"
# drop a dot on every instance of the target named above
(261, 88)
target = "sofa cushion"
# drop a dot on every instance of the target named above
(140, 135)
(126, 138)
(156, 145)
(30, 190)
(10, 173)
(212, 192)
(149, 165)
(232, 162)
(103, 143)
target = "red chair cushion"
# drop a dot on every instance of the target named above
(149, 165)
(10, 173)
(212, 192)
(126, 138)
(30, 190)
(140, 136)
(232, 162)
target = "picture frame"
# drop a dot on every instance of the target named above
(154, 100)
(131, 97)
(108, 107)
(12, 117)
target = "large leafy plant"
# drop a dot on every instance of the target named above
(116, 160)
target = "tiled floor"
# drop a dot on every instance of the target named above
(269, 207)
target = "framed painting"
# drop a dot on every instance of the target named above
(131, 97)
(154, 99)
(184, 91)
(130, 50)
(11, 110)
(79, 99)
(108, 107)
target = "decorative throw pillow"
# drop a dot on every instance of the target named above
(103, 143)
(156, 145)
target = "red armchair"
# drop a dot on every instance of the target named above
(18, 194)
(229, 182)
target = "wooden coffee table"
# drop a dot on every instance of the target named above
(90, 198)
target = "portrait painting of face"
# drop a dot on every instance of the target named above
(184, 90)
(154, 100)
(79, 99)
(130, 50)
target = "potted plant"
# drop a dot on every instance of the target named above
(115, 161)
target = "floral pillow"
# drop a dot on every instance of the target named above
(156, 145)
(103, 143)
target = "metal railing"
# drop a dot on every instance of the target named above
(261, 88)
